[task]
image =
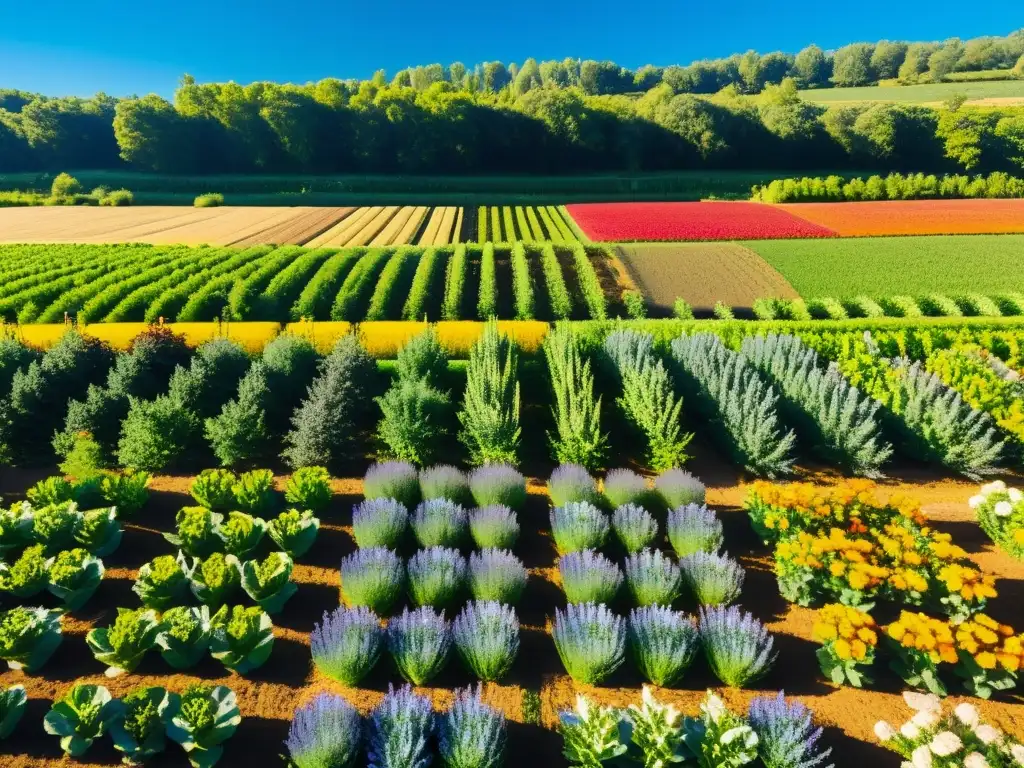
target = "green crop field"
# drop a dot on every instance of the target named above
(919, 94)
(886, 266)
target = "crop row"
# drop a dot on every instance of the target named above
(524, 224)
(142, 283)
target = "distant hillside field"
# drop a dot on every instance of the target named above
(1003, 90)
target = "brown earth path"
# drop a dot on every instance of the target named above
(268, 696)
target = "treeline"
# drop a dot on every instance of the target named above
(917, 186)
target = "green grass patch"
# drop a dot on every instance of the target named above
(917, 94)
(889, 266)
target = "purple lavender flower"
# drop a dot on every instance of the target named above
(712, 579)
(624, 486)
(694, 528)
(786, 736)
(400, 729)
(325, 733)
(578, 525)
(662, 642)
(393, 480)
(379, 523)
(677, 487)
(486, 636)
(444, 482)
(634, 527)
(572, 483)
(652, 578)
(372, 577)
(738, 648)
(494, 527)
(591, 641)
(347, 644)
(589, 577)
(496, 574)
(472, 734)
(498, 484)
(436, 576)
(440, 523)
(419, 642)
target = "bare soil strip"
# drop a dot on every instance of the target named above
(388, 235)
(370, 230)
(701, 273)
(307, 224)
(340, 233)
(412, 226)
(433, 224)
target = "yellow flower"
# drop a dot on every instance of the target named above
(859, 649)
(842, 649)
(986, 660)
(867, 636)
(838, 568)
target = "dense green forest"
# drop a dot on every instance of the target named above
(550, 117)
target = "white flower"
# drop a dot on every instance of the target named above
(1003, 509)
(922, 702)
(713, 707)
(926, 718)
(921, 757)
(975, 501)
(995, 485)
(1015, 495)
(975, 760)
(884, 731)
(945, 744)
(910, 731)
(1017, 750)
(968, 715)
(987, 734)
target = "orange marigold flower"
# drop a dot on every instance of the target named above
(986, 660)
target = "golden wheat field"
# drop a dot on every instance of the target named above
(334, 226)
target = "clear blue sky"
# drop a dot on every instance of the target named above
(74, 47)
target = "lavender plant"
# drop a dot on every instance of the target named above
(400, 730)
(325, 733)
(578, 525)
(634, 527)
(693, 528)
(652, 579)
(419, 642)
(572, 483)
(494, 527)
(591, 641)
(397, 480)
(498, 484)
(712, 579)
(738, 648)
(436, 576)
(379, 522)
(347, 643)
(440, 523)
(498, 575)
(472, 734)
(786, 736)
(445, 482)
(486, 636)
(373, 578)
(663, 643)
(624, 486)
(589, 577)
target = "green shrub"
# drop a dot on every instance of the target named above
(422, 281)
(722, 311)
(558, 293)
(899, 306)
(522, 286)
(118, 198)
(415, 420)
(826, 309)
(455, 280)
(64, 185)
(155, 433)
(681, 309)
(423, 357)
(487, 304)
(209, 200)
(239, 433)
(636, 307)
(490, 413)
(577, 437)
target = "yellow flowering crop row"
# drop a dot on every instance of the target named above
(850, 633)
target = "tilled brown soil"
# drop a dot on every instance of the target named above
(268, 696)
(701, 273)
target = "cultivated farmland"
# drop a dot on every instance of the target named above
(1004, 92)
(914, 217)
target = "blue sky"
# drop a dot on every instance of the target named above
(74, 47)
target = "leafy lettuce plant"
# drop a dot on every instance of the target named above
(214, 489)
(578, 525)
(195, 531)
(29, 636)
(718, 738)
(241, 534)
(99, 531)
(161, 582)
(54, 526)
(139, 730)
(184, 636)
(127, 491)
(80, 717)
(440, 523)
(269, 582)
(12, 707)
(214, 580)
(122, 645)
(51, 490)
(498, 484)
(29, 575)
(657, 732)
(75, 575)
(294, 531)
(652, 578)
(203, 718)
(16, 527)
(593, 735)
(309, 488)
(254, 492)
(242, 638)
